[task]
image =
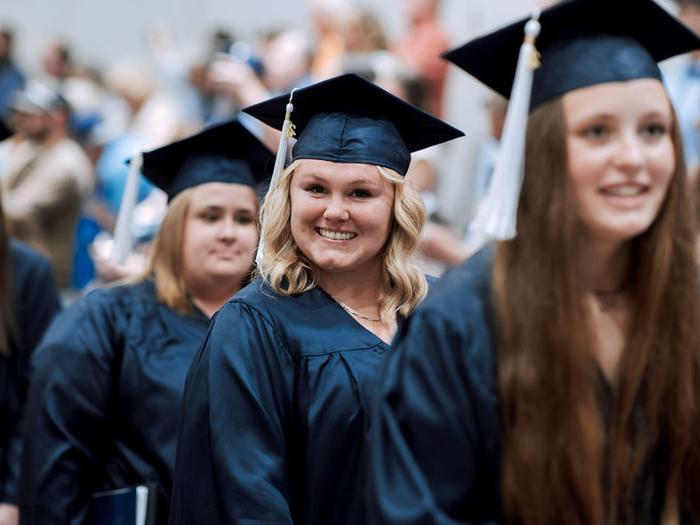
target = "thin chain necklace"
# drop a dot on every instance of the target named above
(358, 314)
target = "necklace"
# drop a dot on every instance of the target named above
(358, 314)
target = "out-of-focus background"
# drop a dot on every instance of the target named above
(138, 74)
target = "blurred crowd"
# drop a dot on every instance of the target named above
(85, 122)
(74, 125)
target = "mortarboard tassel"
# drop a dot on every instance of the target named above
(497, 214)
(122, 232)
(280, 160)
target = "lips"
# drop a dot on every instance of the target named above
(625, 195)
(628, 190)
(335, 235)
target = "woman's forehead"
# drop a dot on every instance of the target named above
(337, 171)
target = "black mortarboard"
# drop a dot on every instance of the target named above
(222, 153)
(582, 43)
(351, 120)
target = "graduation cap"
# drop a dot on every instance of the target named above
(579, 43)
(351, 120)
(226, 153)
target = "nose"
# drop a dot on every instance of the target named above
(228, 230)
(336, 211)
(630, 154)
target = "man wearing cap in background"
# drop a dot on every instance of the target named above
(45, 177)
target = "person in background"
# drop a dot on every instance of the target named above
(683, 80)
(28, 302)
(421, 47)
(276, 401)
(553, 378)
(11, 77)
(103, 408)
(45, 178)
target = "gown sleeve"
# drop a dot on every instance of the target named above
(66, 422)
(37, 302)
(232, 454)
(434, 428)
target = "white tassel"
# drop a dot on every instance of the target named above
(123, 240)
(288, 131)
(497, 214)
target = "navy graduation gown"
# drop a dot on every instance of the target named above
(435, 453)
(275, 413)
(36, 302)
(104, 404)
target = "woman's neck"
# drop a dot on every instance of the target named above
(209, 299)
(603, 265)
(360, 290)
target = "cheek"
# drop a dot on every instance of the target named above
(662, 163)
(249, 237)
(586, 166)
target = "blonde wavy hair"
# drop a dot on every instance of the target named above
(287, 271)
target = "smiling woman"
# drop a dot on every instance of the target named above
(104, 406)
(275, 418)
(563, 364)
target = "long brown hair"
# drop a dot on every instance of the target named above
(8, 322)
(561, 465)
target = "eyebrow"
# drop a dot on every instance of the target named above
(322, 178)
(219, 207)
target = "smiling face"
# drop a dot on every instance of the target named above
(620, 156)
(220, 234)
(341, 215)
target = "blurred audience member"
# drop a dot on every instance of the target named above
(45, 178)
(328, 17)
(422, 46)
(57, 63)
(11, 78)
(363, 32)
(287, 61)
(683, 81)
(28, 303)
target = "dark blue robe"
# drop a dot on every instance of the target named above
(275, 414)
(104, 404)
(436, 442)
(36, 302)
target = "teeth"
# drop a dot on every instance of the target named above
(337, 236)
(625, 191)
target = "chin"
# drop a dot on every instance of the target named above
(622, 232)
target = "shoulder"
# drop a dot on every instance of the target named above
(30, 270)
(455, 319)
(27, 260)
(464, 289)
(261, 298)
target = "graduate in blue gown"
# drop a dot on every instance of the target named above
(553, 378)
(28, 302)
(104, 403)
(276, 403)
